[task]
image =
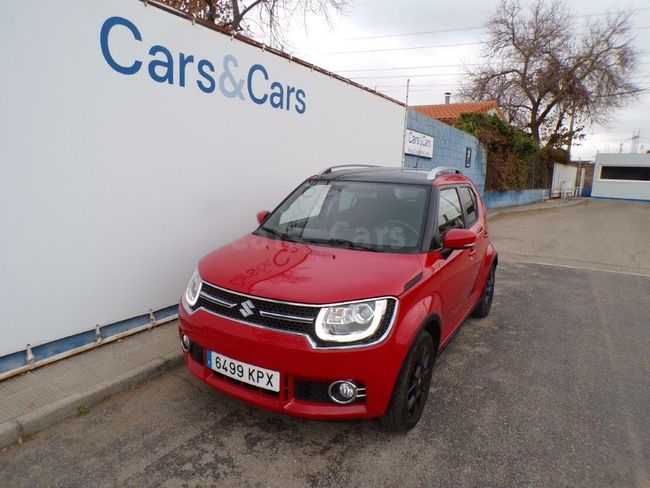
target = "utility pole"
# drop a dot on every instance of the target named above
(636, 136)
(406, 113)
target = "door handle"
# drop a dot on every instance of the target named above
(471, 252)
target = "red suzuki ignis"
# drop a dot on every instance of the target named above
(336, 306)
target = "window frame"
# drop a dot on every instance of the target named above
(436, 237)
(476, 205)
(603, 166)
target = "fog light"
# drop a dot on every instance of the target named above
(185, 342)
(343, 391)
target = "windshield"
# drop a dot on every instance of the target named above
(379, 217)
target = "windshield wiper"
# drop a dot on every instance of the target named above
(277, 233)
(354, 245)
(340, 242)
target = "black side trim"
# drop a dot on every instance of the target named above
(413, 281)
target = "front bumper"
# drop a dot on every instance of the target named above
(376, 367)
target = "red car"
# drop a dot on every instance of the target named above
(337, 305)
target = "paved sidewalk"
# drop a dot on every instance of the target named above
(543, 205)
(32, 401)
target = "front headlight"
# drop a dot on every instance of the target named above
(193, 289)
(350, 322)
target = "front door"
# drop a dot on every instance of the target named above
(458, 266)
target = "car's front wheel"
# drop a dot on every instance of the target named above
(412, 388)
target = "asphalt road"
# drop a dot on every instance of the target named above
(553, 389)
(595, 234)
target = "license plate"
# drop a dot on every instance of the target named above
(253, 375)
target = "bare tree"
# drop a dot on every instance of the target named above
(269, 18)
(549, 77)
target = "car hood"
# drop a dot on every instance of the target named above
(307, 273)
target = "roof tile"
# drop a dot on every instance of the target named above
(449, 113)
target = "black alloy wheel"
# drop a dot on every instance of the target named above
(412, 387)
(418, 385)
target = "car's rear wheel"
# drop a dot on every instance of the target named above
(482, 308)
(412, 388)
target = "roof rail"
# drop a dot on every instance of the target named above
(341, 166)
(442, 170)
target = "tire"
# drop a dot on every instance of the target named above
(412, 388)
(482, 308)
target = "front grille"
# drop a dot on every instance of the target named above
(305, 313)
(310, 391)
(298, 318)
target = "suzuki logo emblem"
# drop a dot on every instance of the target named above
(247, 308)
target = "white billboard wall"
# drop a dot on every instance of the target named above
(120, 168)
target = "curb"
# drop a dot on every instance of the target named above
(521, 208)
(14, 430)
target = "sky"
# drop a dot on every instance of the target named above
(382, 43)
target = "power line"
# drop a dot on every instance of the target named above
(465, 14)
(461, 29)
(441, 31)
(429, 46)
(444, 31)
(406, 67)
(402, 48)
(644, 77)
(397, 68)
(419, 85)
(427, 90)
(428, 19)
(404, 76)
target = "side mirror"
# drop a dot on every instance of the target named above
(459, 239)
(262, 215)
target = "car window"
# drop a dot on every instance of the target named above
(450, 214)
(309, 205)
(468, 199)
(353, 214)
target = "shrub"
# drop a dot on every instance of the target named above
(511, 152)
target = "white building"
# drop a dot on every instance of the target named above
(625, 176)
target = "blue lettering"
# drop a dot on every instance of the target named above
(236, 86)
(209, 88)
(256, 67)
(290, 90)
(277, 95)
(167, 65)
(183, 62)
(161, 69)
(301, 106)
(103, 41)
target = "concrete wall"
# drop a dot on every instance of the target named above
(499, 199)
(449, 147)
(625, 189)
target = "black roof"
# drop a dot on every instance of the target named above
(378, 174)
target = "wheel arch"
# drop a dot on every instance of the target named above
(433, 325)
